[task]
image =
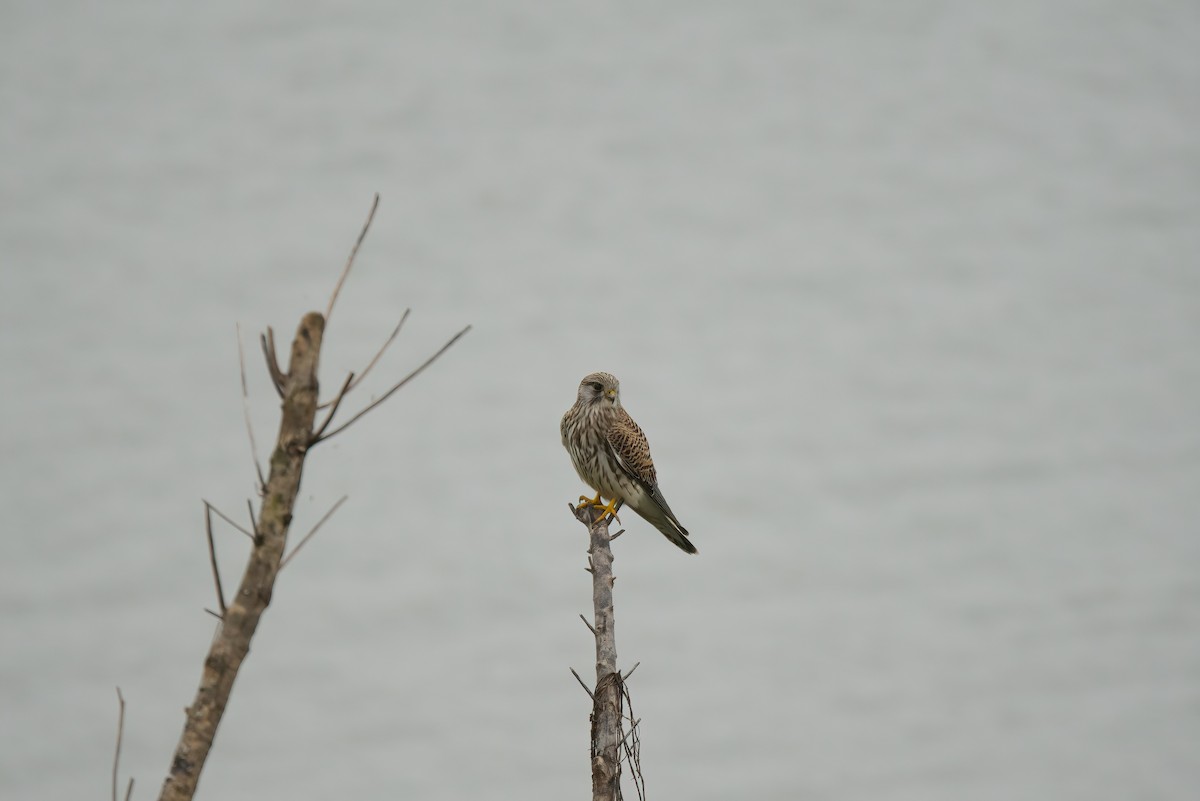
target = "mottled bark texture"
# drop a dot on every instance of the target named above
(607, 695)
(232, 643)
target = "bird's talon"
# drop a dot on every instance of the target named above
(609, 511)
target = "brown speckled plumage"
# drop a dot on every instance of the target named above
(611, 455)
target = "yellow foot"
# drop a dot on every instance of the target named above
(610, 509)
(606, 509)
(586, 501)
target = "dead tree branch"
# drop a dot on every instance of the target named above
(117, 754)
(397, 386)
(358, 379)
(267, 341)
(262, 481)
(240, 615)
(312, 531)
(212, 558)
(230, 521)
(337, 401)
(350, 260)
(608, 698)
(241, 618)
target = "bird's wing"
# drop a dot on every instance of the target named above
(629, 447)
(628, 444)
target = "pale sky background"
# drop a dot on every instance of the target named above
(906, 296)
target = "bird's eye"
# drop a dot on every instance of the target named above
(596, 385)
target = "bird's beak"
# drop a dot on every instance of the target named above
(611, 393)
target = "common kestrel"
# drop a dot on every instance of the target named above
(612, 456)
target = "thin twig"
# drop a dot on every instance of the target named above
(214, 614)
(631, 729)
(253, 523)
(120, 735)
(591, 628)
(359, 379)
(262, 482)
(337, 401)
(212, 558)
(267, 341)
(129, 789)
(586, 689)
(619, 533)
(630, 673)
(228, 520)
(633, 748)
(402, 382)
(310, 534)
(350, 261)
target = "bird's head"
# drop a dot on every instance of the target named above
(600, 388)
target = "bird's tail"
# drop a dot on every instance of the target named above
(655, 510)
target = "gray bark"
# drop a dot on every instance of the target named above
(606, 735)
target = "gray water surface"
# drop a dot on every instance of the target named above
(906, 297)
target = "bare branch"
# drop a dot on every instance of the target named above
(632, 746)
(310, 534)
(120, 735)
(337, 401)
(232, 643)
(389, 393)
(246, 409)
(631, 728)
(591, 628)
(253, 523)
(228, 520)
(619, 533)
(298, 388)
(586, 689)
(267, 341)
(610, 693)
(391, 338)
(630, 673)
(350, 260)
(374, 359)
(212, 558)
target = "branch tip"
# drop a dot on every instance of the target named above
(350, 260)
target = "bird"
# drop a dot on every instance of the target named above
(610, 453)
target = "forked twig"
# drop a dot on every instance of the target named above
(337, 401)
(397, 386)
(228, 520)
(309, 535)
(262, 482)
(212, 558)
(359, 379)
(267, 341)
(350, 260)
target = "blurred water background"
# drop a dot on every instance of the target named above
(906, 296)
